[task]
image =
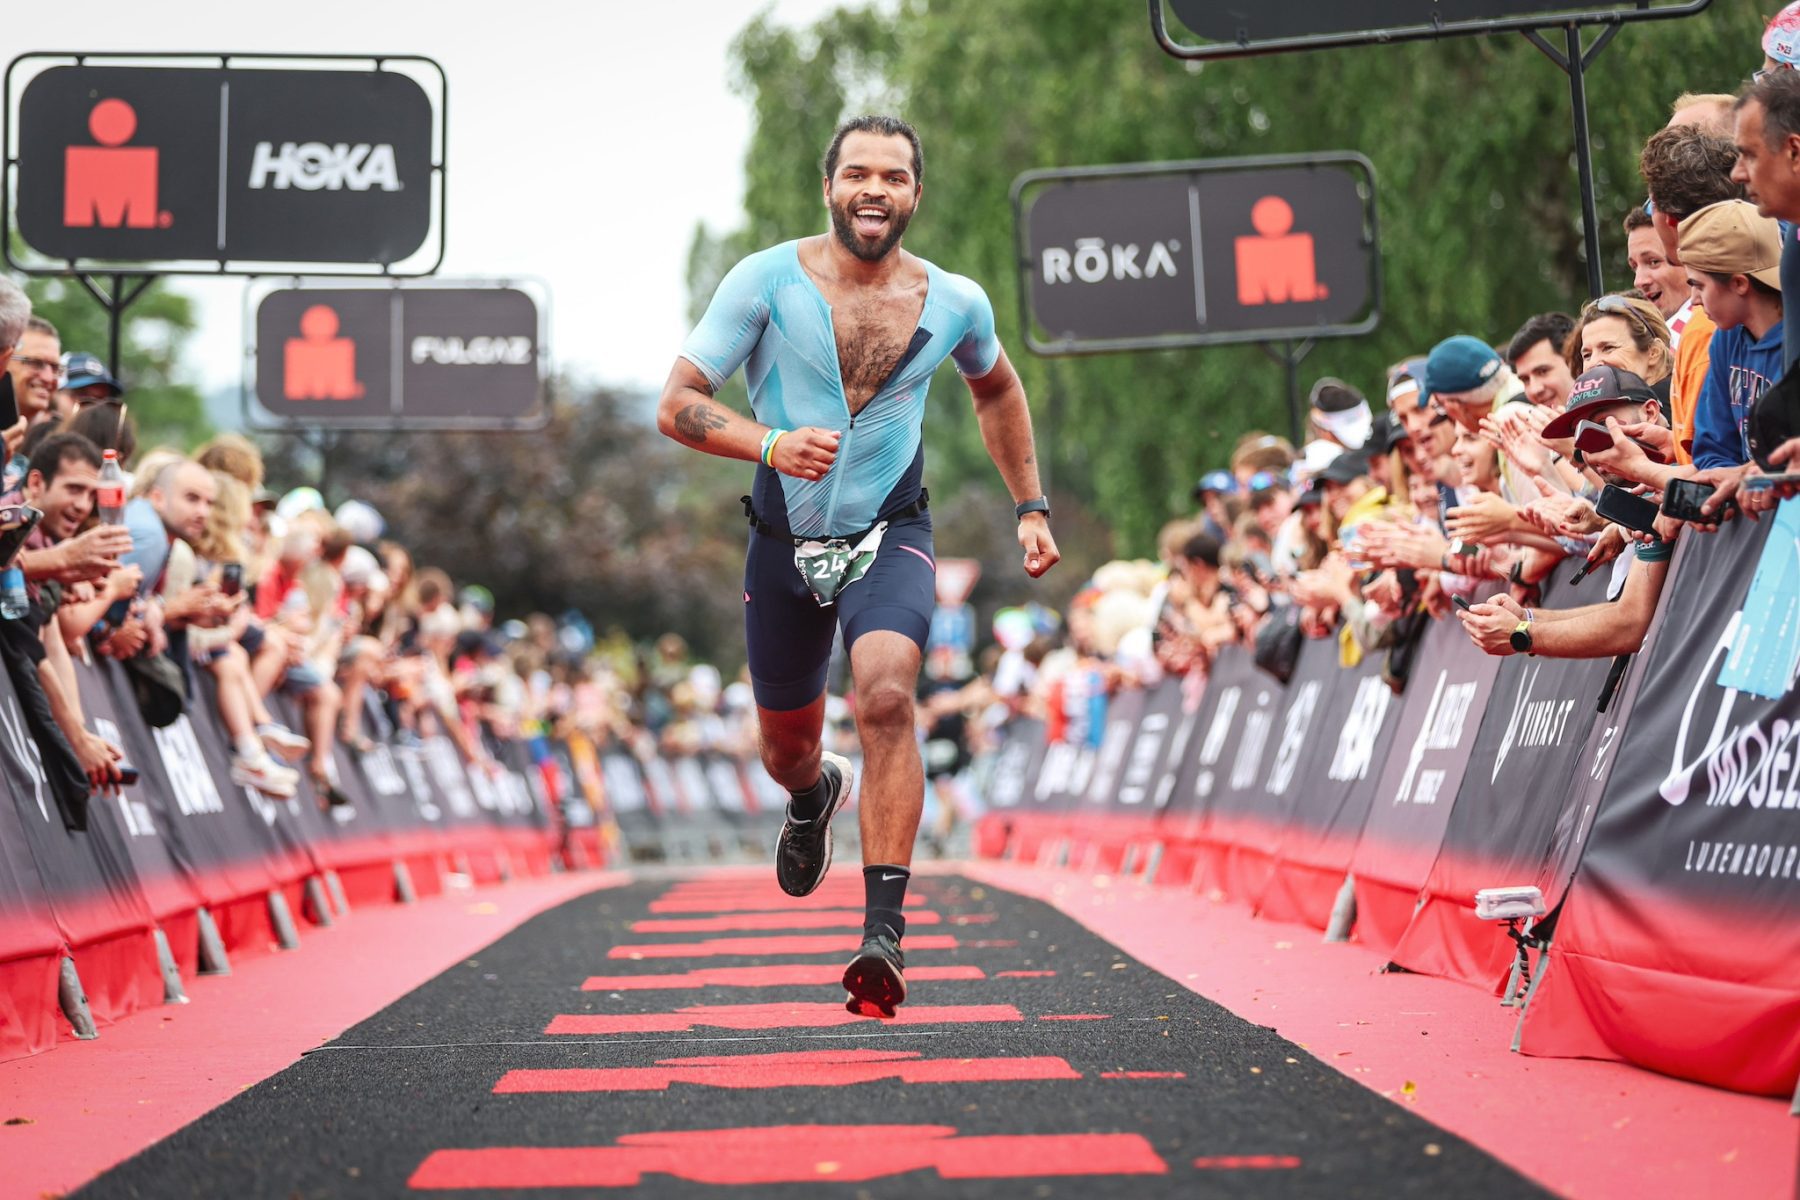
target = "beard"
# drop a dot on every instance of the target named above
(843, 223)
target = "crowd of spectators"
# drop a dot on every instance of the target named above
(208, 588)
(1594, 439)
(1590, 441)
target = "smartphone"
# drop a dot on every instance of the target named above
(1764, 483)
(1591, 437)
(16, 523)
(1461, 602)
(128, 774)
(9, 403)
(1622, 508)
(231, 579)
(1683, 498)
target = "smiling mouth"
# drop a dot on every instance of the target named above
(870, 220)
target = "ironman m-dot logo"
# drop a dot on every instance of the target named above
(228, 167)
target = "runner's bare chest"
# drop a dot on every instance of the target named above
(873, 326)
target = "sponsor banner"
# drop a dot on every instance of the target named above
(1016, 765)
(1313, 853)
(90, 880)
(1524, 777)
(1250, 818)
(1679, 946)
(1446, 695)
(420, 355)
(1153, 255)
(137, 817)
(227, 167)
(1231, 731)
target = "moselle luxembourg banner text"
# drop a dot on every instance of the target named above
(1521, 784)
(1446, 694)
(1679, 946)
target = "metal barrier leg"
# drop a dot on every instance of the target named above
(1525, 1005)
(1128, 864)
(503, 864)
(316, 904)
(335, 888)
(403, 884)
(1152, 861)
(213, 959)
(73, 998)
(286, 935)
(173, 992)
(1343, 912)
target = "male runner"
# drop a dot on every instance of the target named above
(842, 333)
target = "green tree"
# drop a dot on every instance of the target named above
(1471, 141)
(153, 336)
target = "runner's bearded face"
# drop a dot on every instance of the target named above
(873, 195)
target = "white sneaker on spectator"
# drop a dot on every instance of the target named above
(265, 775)
(284, 741)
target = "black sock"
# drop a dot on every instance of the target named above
(808, 805)
(884, 887)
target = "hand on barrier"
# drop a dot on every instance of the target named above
(99, 759)
(806, 453)
(1726, 481)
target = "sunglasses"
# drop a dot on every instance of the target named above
(1619, 306)
(1759, 75)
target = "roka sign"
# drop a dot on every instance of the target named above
(227, 167)
(1185, 254)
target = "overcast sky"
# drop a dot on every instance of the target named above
(586, 142)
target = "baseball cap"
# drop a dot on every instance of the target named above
(82, 370)
(1460, 363)
(1732, 238)
(1781, 37)
(1223, 482)
(477, 597)
(1341, 409)
(1386, 434)
(1312, 495)
(1595, 389)
(1345, 468)
(1408, 379)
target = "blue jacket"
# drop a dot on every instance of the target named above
(1741, 370)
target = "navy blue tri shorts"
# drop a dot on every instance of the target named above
(789, 635)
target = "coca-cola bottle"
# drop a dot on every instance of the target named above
(109, 497)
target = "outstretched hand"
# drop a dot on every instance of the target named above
(1040, 547)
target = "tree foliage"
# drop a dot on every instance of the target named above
(1471, 140)
(596, 511)
(153, 336)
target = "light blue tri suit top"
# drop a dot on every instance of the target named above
(770, 317)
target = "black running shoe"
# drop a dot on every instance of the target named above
(875, 978)
(803, 853)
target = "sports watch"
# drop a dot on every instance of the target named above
(1521, 637)
(1039, 505)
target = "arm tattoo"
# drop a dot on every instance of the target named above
(693, 421)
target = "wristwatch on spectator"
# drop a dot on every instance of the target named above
(1039, 505)
(1521, 636)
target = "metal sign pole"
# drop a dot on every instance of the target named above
(1290, 355)
(115, 300)
(1574, 63)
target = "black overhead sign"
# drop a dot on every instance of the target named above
(419, 356)
(224, 168)
(1158, 255)
(1239, 27)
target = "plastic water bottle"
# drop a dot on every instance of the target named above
(14, 602)
(110, 495)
